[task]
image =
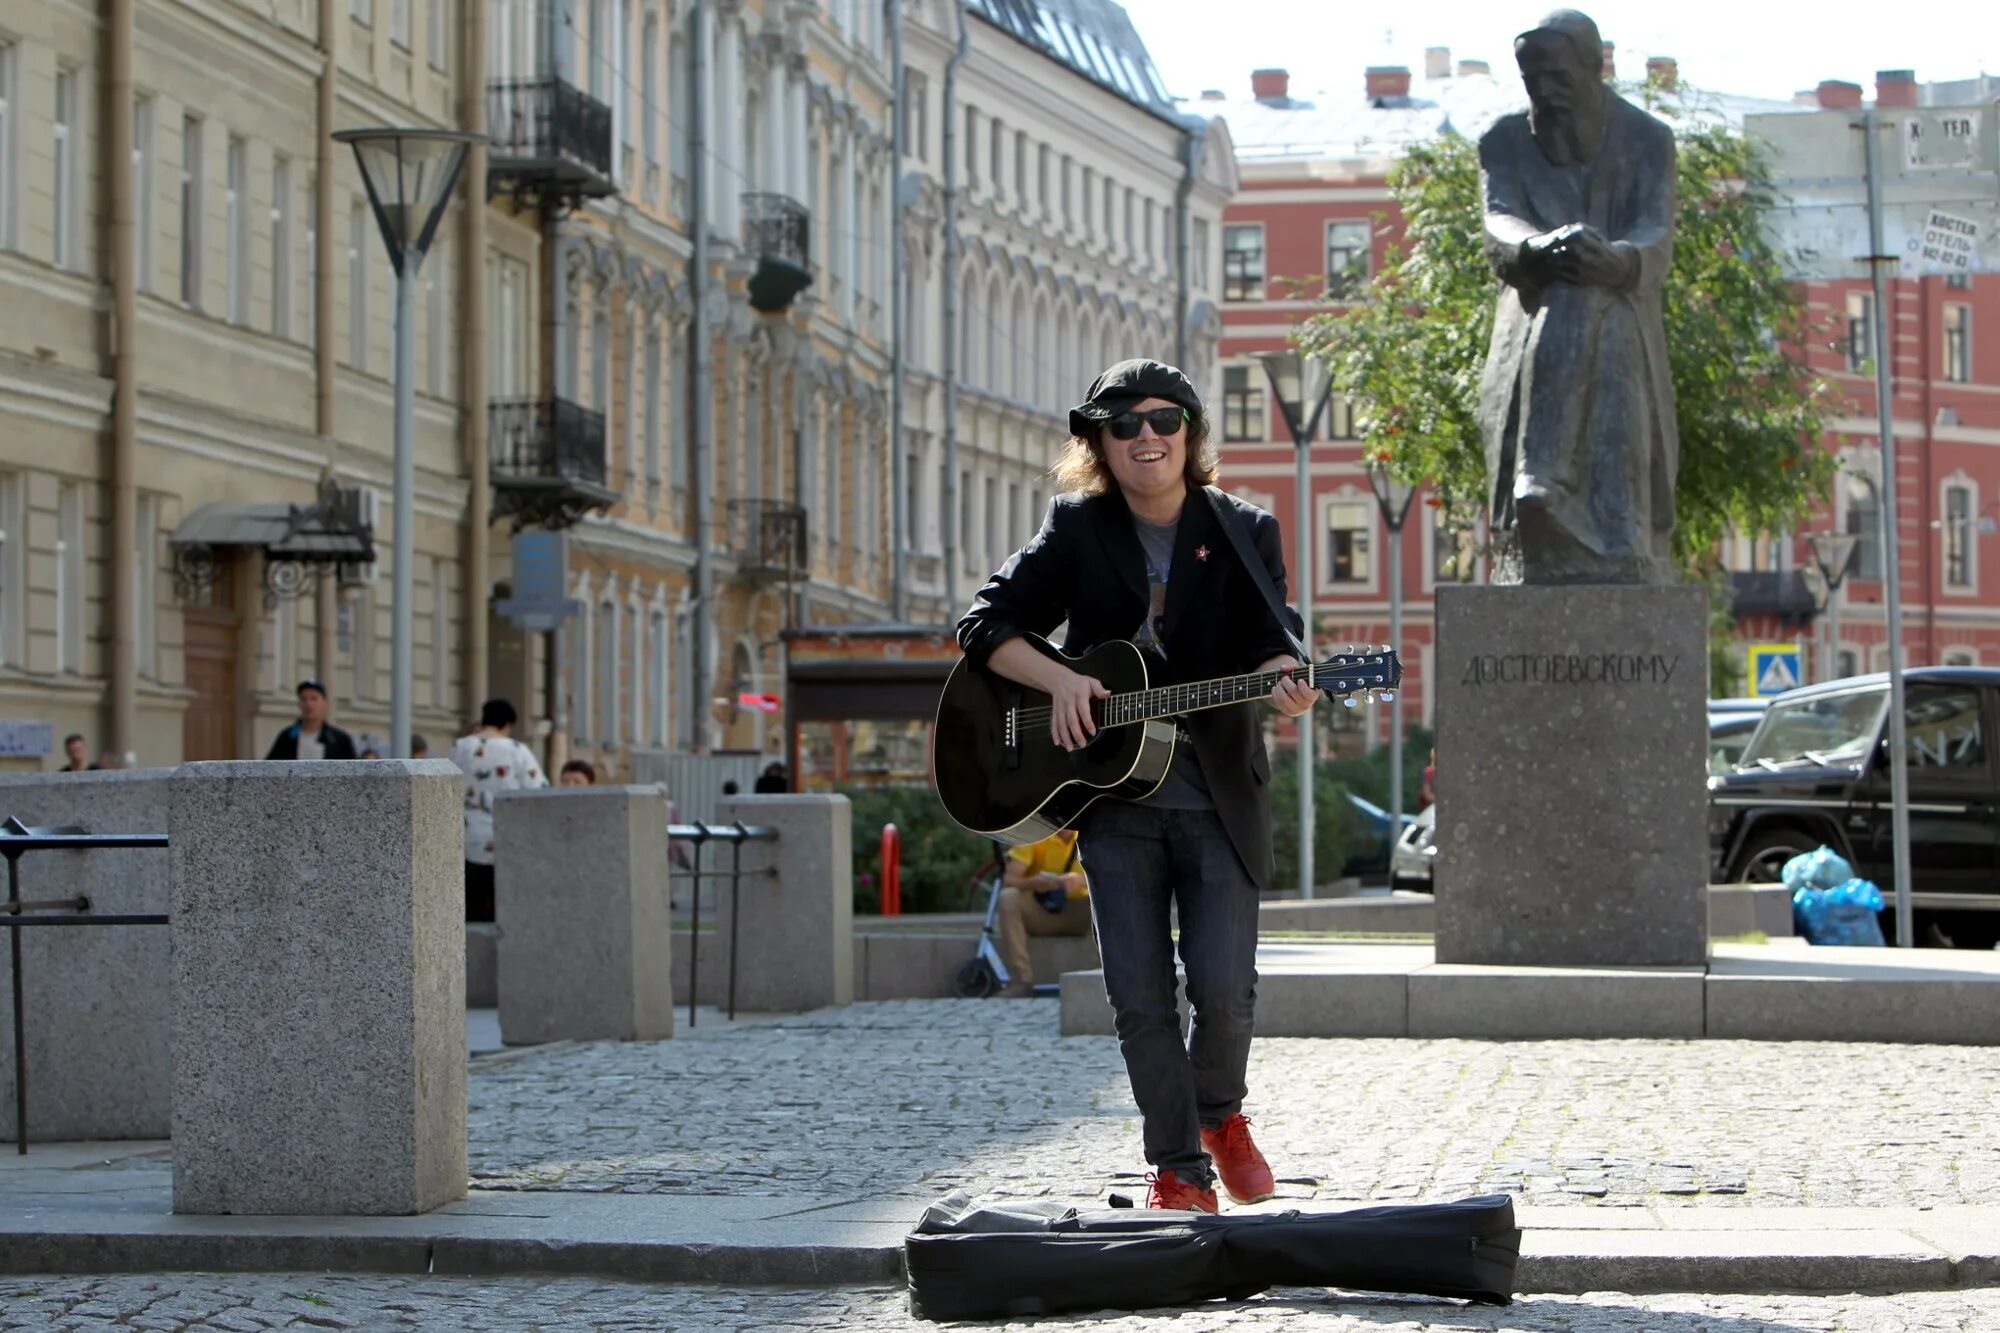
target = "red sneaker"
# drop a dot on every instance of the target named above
(1245, 1174)
(1169, 1191)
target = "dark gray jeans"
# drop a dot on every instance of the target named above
(1142, 861)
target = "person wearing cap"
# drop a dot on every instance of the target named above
(1134, 549)
(312, 736)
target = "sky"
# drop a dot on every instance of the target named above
(1761, 48)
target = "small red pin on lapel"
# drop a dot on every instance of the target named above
(1201, 553)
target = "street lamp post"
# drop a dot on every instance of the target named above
(409, 175)
(1393, 498)
(1833, 552)
(1286, 372)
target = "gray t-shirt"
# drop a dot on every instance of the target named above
(1185, 787)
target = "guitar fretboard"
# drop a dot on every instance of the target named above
(1168, 700)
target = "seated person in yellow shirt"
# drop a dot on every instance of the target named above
(1044, 894)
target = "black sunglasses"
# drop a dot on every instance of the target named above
(1164, 421)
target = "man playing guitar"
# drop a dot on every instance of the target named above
(1134, 550)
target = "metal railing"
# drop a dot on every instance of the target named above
(767, 537)
(699, 836)
(16, 840)
(546, 121)
(536, 439)
(777, 226)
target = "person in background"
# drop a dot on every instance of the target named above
(731, 788)
(108, 760)
(371, 753)
(577, 773)
(312, 736)
(419, 747)
(773, 781)
(74, 748)
(493, 762)
(1430, 791)
(1044, 894)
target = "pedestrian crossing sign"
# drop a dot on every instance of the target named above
(1774, 668)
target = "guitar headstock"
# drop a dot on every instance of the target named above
(1364, 672)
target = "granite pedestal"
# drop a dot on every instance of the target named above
(580, 899)
(318, 987)
(1571, 776)
(97, 1001)
(795, 947)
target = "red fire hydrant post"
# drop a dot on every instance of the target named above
(892, 871)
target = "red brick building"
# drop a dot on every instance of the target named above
(1313, 218)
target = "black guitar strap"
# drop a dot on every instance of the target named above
(1253, 564)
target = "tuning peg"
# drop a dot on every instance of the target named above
(1351, 701)
(1386, 696)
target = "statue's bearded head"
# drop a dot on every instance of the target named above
(1561, 62)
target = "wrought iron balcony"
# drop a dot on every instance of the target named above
(1772, 593)
(768, 539)
(777, 233)
(548, 141)
(546, 461)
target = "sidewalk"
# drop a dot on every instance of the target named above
(798, 1150)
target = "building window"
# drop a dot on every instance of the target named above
(607, 680)
(1957, 535)
(437, 322)
(357, 283)
(281, 246)
(652, 426)
(996, 155)
(1348, 256)
(312, 261)
(1339, 417)
(440, 35)
(971, 148)
(679, 94)
(142, 191)
(1243, 413)
(13, 570)
(191, 212)
(399, 23)
(1243, 262)
(916, 115)
(70, 590)
(1021, 168)
(364, 644)
(66, 168)
(1068, 174)
(440, 635)
(362, 11)
(656, 675)
(650, 110)
(6, 143)
(238, 235)
(1864, 524)
(1042, 194)
(1349, 525)
(1860, 330)
(146, 556)
(1958, 343)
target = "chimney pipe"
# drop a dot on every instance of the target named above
(1437, 62)
(1839, 95)
(1388, 81)
(1895, 87)
(1663, 72)
(1270, 85)
(1467, 68)
(1610, 61)
(1213, 95)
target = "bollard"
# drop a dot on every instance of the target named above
(892, 871)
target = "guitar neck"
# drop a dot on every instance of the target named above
(1171, 700)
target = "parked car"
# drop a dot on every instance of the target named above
(1816, 772)
(1416, 851)
(1372, 847)
(1730, 724)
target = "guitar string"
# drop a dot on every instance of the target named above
(1172, 698)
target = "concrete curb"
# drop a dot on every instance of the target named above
(819, 1243)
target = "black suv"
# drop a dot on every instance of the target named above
(1817, 771)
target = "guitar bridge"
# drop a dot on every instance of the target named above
(1010, 747)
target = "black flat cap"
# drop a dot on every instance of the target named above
(1126, 383)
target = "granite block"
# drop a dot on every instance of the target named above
(97, 1001)
(318, 987)
(580, 903)
(795, 950)
(1534, 1003)
(482, 965)
(1571, 775)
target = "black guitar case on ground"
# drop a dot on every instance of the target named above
(971, 1261)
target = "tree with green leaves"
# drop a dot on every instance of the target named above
(1410, 355)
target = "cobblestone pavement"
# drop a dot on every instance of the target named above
(248, 1303)
(909, 1098)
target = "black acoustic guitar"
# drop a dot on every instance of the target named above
(1001, 776)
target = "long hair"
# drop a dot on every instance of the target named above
(1081, 466)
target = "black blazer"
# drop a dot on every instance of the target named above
(1086, 567)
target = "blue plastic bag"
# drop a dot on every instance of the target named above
(1829, 904)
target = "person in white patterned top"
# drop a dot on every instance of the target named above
(493, 762)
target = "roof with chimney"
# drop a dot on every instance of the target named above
(1389, 110)
(1093, 37)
